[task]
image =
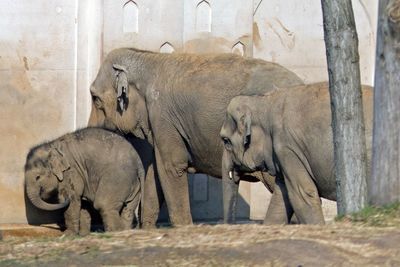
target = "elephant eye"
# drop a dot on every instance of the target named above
(97, 101)
(227, 143)
(37, 178)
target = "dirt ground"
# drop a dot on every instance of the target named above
(336, 244)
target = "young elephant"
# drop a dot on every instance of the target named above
(91, 164)
(288, 134)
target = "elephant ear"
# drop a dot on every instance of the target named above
(121, 84)
(244, 126)
(58, 163)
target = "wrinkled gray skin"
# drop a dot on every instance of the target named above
(91, 164)
(288, 134)
(180, 97)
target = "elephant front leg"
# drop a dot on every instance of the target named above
(279, 210)
(230, 189)
(72, 216)
(84, 222)
(172, 166)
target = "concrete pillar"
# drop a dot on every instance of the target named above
(88, 52)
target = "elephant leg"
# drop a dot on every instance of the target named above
(279, 210)
(110, 214)
(128, 210)
(84, 222)
(230, 189)
(153, 199)
(230, 194)
(72, 216)
(171, 158)
(128, 214)
(112, 220)
(302, 191)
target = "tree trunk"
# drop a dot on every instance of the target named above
(346, 102)
(384, 185)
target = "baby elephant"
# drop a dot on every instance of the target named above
(288, 134)
(91, 164)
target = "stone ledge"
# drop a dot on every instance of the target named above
(26, 230)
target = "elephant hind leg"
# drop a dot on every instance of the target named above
(128, 214)
(110, 213)
(128, 211)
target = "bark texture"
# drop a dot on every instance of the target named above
(384, 186)
(346, 102)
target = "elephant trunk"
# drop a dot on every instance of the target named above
(34, 197)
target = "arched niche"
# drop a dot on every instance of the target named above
(239, 48)
(203, 17)
(130, 17)
(167, 48)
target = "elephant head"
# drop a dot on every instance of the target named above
(244, 139)
(116, 101)
(44, 169)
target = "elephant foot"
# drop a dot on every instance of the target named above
(84, 232)
(148, 226)
(70, 232)
(274, 221)
(182, 221)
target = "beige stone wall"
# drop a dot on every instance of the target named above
(291, 33)
(50, 52)
(43, 87)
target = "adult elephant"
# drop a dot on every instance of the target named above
(288, 134)
(182, 98)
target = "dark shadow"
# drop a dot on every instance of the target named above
(96, 223)
(206, 201)
(208, 210)
(146, 153)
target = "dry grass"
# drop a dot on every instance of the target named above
(341, 243)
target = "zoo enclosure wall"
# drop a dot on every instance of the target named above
(50, 52)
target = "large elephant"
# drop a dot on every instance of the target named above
(179, 101)
(94, 165)
(288, 133)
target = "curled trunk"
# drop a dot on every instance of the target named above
(34, 197)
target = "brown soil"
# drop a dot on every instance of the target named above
(338, 244)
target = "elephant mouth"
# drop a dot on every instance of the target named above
(139, 133)
(50, 197)
(245, 168)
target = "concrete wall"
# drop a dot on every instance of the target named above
(291, 33)
(43, 87)
(50, 52)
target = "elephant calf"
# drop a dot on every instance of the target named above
(91, 164)
(288, 134)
